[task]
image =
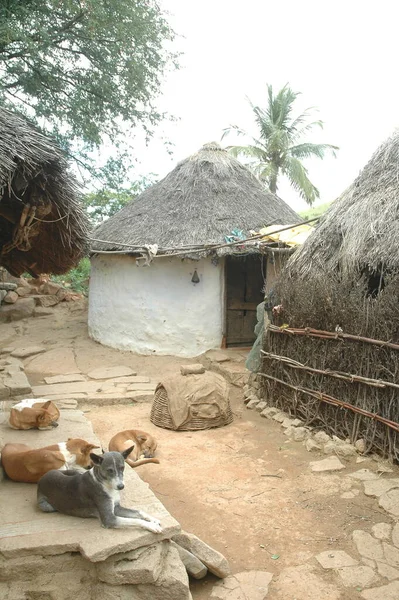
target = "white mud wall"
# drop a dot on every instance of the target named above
(156, 309)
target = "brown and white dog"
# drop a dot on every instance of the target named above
(25, 464)
(37, 413)
(144, 446)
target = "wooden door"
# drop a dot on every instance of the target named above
(244, 291)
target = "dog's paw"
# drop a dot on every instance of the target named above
(155, 527)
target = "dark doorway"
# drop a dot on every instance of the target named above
(245, 280)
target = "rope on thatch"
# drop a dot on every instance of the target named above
(334, 401)
(293, 364)
(203, 199)
(329, 335)
(182, 250)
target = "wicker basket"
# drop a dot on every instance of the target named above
(160, 415)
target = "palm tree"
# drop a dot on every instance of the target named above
(281, 146)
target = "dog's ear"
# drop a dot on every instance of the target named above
(142, 438)
(96, 458)
(46, 404)
(126, 453)
(88, 448)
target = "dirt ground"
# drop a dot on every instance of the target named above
(245, 489)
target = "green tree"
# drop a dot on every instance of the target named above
(103, 203)
(85, 70)
(281, 144)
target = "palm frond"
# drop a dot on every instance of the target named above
(308, 150)
(234, 128)
(247, 151)
(298, 177)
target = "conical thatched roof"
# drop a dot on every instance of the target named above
(201, 201)
(43, 228)
(361, 229)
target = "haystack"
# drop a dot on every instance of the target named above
(195, 291)
(43, 228)
(335, 363)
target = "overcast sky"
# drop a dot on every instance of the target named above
(342, 56)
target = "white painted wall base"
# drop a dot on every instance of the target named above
(156, 309)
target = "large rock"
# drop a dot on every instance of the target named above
(214, 560)
(143, 565)
(15, 312)
(249, 585)
(11, 297)
(194, 566)
(50, 288)
(23, 291)
(46, 301)
(378, 487)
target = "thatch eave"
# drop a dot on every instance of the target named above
(201, 201)
(43, 228)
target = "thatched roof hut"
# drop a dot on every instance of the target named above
(338, 301)
(204, 198)
(197, 292)
(43, 228)
(361, 228)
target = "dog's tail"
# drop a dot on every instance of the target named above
(142, 461)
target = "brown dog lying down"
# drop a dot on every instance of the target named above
(34, 414)
(144, 446)
(22, 463)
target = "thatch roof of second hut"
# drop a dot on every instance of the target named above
(361, 228)
(43, 228)
(201, 201)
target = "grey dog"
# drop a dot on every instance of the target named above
(93, 494)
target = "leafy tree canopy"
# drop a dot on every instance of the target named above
(103, 203)
(281, 143)
(85, 70)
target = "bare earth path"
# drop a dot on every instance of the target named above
(245, 489)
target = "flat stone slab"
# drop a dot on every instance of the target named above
(390, 502)
(379, 486)
(249, 585)
(382, 531)
(332, 463)
(59, 361)
(360, 576)
(218, 356)
(335, 559)
(64, 378)
(395, 535)
(368, 546)
(42, 391)
(25, 530)
(385, 592)
(28, 351)
(110, 372)
(364, 475)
